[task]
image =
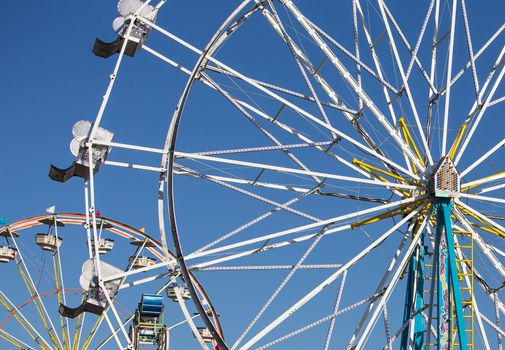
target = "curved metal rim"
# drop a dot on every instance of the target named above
(168, 162)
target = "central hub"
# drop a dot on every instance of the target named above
(445, 181)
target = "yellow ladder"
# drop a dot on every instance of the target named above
(464, 263)
(428, 279)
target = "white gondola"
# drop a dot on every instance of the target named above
(7, 254)
(141, 261)
(205, 334)
(185, 294)
(48, 242)
(105, 245)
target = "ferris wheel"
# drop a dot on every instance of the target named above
(41, 255)
(342, 166)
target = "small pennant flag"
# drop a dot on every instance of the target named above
(143, 230)
(97, 213)
(51, 209)
(3, 221)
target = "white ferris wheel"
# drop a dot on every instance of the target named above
(331, 175)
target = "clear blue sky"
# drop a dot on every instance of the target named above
(50, 79)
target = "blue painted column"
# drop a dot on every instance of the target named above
(414, 300)
(419, 324)
(447, 275)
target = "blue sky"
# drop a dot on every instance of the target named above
(51, 79)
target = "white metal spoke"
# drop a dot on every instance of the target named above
(350, 80)
(476, 237)
(498, 100)
(251, 195)
(483, 158)
(61, 286)
(479, 116)
(266, 148)
(299, 64)
(492, 325)
(288, 188)
(358, 67)
(33, 287)
(293, 171)
(189, 319)
(470, 51)
(256, 220)
(449, 77)
(318, 322)
(270, 86)
(116, 338)
(279, 289)
(255, 110)
(268, 267)
(265, 248)
(329, 280)
(4, 333)
(469, 63)
(258, 126)
(302, 111)
(419, 38)
(114, 74)
(428, 79)
(32, 328)
(144, 280)
(482, 198)
(389, 290)
(357, 5)
(335, 310)
(406, 84)
(433, 69)
(380, 286)
(387, 328)
(498, 322)
(360, 213)
(483, 180)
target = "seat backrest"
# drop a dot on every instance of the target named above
(151, 305)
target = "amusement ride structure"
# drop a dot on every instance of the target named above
(344, 180)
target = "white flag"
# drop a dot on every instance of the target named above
(51, 210)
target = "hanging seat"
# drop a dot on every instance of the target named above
(141, 261)
(7, 254)
(185, 294)
(205, 334)
(48, 242)
(105, 245)
(79, 148)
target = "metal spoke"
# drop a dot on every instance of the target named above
(470, 52)
(293, 171)
(335, 310)
(279, 288)
(394, 279)
(350, 80)
(479, 116)
(406, 84)
(318, 322)
(360, 213)
(328, 281)
(449, 77)
(429, 79)
(249, 194)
